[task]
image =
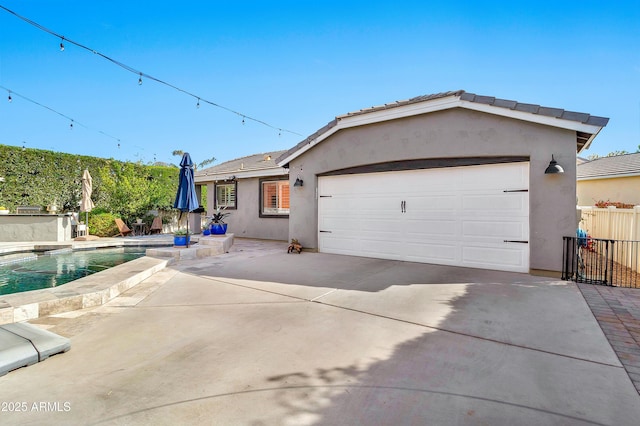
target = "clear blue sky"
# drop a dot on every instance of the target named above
(298, 64)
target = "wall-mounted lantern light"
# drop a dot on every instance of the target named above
(299, 181)
(553, 167)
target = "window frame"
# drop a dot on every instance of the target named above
(235, 191)
(261, 182)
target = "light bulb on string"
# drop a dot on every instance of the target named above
(243, 120)
(140, 80)
(9, 98)
(198, 104)
(71, 125)
(62, 44)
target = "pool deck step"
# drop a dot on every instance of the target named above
(93, 290)
(210, 245)
(23, 344)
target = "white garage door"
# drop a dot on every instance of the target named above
(473, 216)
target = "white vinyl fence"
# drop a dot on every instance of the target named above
(622, 225)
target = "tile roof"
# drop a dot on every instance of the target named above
(619, 165)
(263, 161)
(582, 138)
(490, 100)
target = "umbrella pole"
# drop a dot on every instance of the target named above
(87, 221)
(188, 230)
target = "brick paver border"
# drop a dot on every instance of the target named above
(617, 310)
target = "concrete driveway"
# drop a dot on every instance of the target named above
(261, 337)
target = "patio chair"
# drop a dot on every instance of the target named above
(156, 226)
(123, 228)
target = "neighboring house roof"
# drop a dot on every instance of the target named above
(580, 160)
(256, 165)
(610, 167)
(586, 126)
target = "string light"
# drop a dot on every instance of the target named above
(140, 73)
(10, 98)
(198, 104)
(62, 44)
(71, 125)
(243, 120)
(54, 111)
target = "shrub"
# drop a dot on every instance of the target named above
(103, 224)
(617, 204)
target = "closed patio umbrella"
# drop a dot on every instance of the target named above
(86, 205)
(186, 197)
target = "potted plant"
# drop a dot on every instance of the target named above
(181, 238)
(206, 230)
(4, 210)
(218, 227)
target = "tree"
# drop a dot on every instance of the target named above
(207, 161)
(611, 154)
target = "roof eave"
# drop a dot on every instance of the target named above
(439, 104)
(241, 174)
(611, 176)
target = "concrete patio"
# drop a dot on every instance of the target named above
(258, 336)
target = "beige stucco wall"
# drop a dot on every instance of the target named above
(446, 134)
(245, 221)
(40, 227)
(625, 190)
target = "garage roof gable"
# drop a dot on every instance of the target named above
(586, 126)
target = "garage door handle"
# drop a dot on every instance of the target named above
(516, 241)
(328, 232)
(403, 206)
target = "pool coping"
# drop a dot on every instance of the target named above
(91, 291)
(99, 288)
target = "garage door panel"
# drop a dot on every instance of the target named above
(490, 203)
(381, 225)
(428, 203)
(381, 248)
(429, 228)
(495, 229)
(454, 216)
(504, 257)
(374, 247)
(448, 254)
(503, 176)
(337, 245)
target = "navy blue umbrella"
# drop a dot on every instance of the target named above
(186, 198)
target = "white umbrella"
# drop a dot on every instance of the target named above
(86, 205)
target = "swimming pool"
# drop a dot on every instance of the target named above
(34, 271)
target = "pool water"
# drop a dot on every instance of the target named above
(52, 270)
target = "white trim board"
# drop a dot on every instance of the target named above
(410, 110)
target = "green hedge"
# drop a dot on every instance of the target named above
(34, 177)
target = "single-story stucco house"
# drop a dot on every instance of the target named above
(615, 179)
(450, 178)
(255, 190)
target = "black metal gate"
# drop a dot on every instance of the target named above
(601, 261)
